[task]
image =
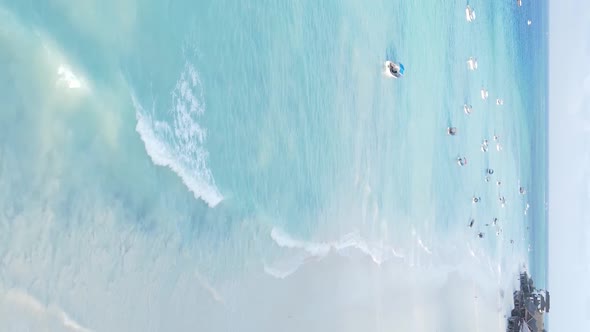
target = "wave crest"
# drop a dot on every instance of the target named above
(21, 300)
(379, 253)
(178, 143)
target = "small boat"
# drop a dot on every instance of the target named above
(469, 14)
(519, 3)
(484, 146)
(472, 63)
(484, 94)
(394, 70)
(468, 109)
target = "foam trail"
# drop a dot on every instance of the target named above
(209, 288)
(285, 268)
(425, 248)
(397, 254)
(178, 144)
(67, 78)
(378, 253)
(279, 274)
(285, 240)
(28, 302)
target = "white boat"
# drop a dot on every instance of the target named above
(468, 109)
(394, 70)
(469, 14)
(472, 63)
(484, 145)
(484, 94)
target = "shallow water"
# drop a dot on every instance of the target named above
(220, 166)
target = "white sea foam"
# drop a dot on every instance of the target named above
(178, 143)
(425, 248)
(67, 77)
(287, 266)
(378, 253)
(278, 273)
(25, 301)
(282, 239)
(209, 288)
(464, 276)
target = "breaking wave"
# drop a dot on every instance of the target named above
(345, 246)
(178, 143)
(20, 300)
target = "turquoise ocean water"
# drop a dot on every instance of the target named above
(246, 166)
